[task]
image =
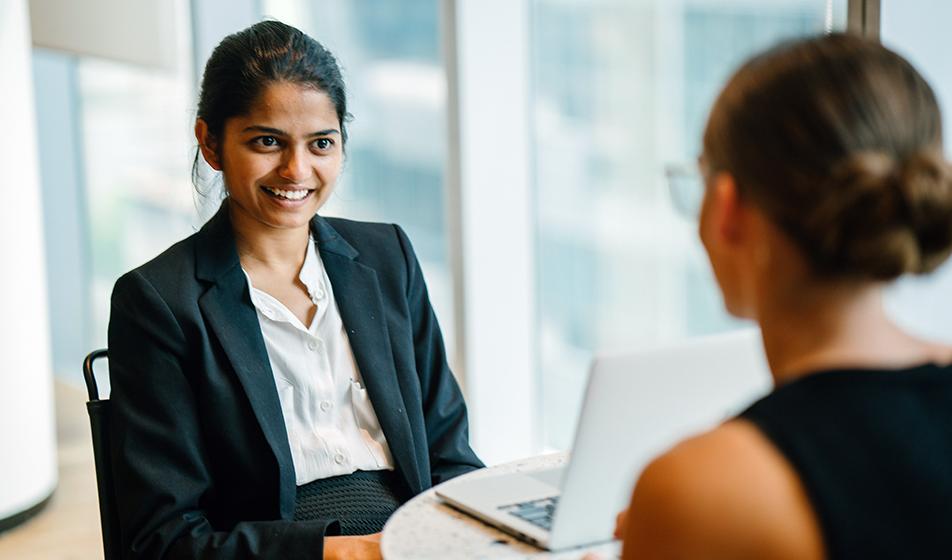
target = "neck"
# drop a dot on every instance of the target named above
(275, 249)
(833, 326)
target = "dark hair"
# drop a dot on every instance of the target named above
(246, 62)
(839, 140)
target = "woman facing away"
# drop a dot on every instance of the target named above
(825, 180)
(278, 378)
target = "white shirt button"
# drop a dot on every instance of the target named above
(325, 436)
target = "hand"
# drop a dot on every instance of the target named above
(360, 547)
(620, 524)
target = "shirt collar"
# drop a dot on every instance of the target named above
(312, 273)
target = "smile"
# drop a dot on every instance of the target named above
(288, 194)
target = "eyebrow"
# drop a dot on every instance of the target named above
(279, 132)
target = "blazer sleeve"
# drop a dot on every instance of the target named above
(444, 410)
(159, 464)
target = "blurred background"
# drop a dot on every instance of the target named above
(539, 153)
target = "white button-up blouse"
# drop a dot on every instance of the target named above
(331, 424)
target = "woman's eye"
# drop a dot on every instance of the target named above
(266, 141)
(323, 143)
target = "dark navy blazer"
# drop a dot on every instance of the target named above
(200, 451)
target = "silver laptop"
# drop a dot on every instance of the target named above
(635, 407)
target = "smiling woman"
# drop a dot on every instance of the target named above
(278, 378)
(281, 160)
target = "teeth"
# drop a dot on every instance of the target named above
(296, 194)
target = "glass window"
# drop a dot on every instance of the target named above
(390, 55)
(137, 146)
(115, 148)
(621, 92)
(915, 28)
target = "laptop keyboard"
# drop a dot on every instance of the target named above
(537, 512)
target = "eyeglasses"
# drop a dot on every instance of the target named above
(686, 188)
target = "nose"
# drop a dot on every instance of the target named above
(295, 166)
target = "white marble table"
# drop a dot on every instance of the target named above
(427, 529)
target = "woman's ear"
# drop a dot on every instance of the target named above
(729, 232)
(208, 144)
(723, 213)
(730, 209)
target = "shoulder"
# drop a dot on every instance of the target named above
(365, 235)
(727, 493)
(940, 354)
(170, 271)
(380, 245)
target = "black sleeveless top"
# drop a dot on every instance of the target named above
(873, 449)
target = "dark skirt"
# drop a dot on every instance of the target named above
(362, 502)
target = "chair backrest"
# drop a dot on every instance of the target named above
(99, 412)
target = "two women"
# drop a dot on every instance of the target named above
(278, 378)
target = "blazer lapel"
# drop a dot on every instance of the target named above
(229, 312)
(358, 297)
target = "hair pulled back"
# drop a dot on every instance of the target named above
(245, 63)
(839, 140)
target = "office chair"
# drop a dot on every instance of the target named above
(99, 410)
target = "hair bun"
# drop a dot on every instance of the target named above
(839, 140)
(882, 217)
(925, 185)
